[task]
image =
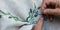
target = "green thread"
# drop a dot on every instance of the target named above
(38, 7)
(0, 16)
(35, 15)
(10, 16)
(4, 13)
(35, 5)
(30, 10)
(16, 18)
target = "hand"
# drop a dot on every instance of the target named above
(54, 3)
(51, 7)
(55, 12)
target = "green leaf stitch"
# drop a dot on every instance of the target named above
(10, 16)
(0, 16)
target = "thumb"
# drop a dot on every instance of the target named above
(52, 11)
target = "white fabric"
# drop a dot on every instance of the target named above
(19, 8)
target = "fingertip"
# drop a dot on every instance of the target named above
(41, 18)
(43, 6)
(45, 11)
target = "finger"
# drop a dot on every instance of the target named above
(52, 11)
(43, 5)
(41, 19)
(39, 24)
(49, 11)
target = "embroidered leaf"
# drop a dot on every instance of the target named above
(0, 16)
(10, 17)
(35, 15)
(2, 12)
(27, 19)
(38, 7)
(34, 5)
(31, 10)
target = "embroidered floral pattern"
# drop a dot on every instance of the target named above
(32, 14)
